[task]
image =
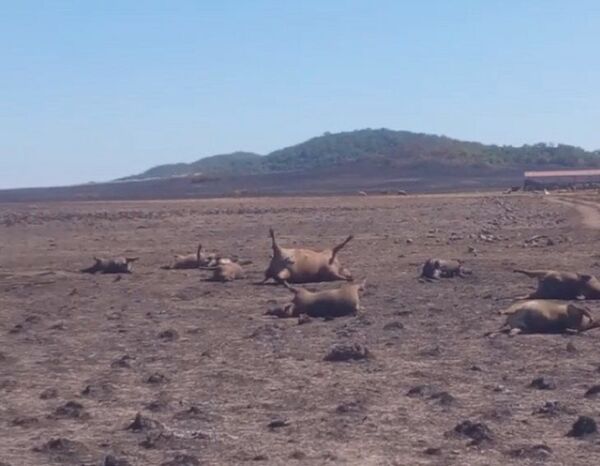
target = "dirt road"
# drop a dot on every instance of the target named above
(589, 210)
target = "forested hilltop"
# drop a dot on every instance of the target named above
(384, 148)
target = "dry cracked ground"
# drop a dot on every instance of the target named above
(162, 367)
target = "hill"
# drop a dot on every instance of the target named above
(383, 148)
(236, 163)
(369, 160)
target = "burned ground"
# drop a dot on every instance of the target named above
(217, 382)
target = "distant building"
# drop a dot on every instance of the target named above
(561, 179)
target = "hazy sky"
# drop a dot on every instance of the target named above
(94, 90)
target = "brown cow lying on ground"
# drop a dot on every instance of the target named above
(539, 316)
(553, 284)
(225, 271)
(116, 265)
(296, 265)
(339, 302)
(193, 261)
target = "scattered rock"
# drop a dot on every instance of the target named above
(182, 460)
(349, 407)
(277, 423)
(61, 448)
(159, 439)
(58, 444)
(122, 362)
(26, 324)
(582, 427)
(70, 410)
(476, 431)
(592, 391)
(25, 421)
(532, 452)
(435, 309)
(98, 391)
(171, 440)
(542, 384)
(347, 352)
(443, 398)
(539, 241)
(433, 351)
(110, 460)
(8, 384)
(431, 393)
(193, 412)
(169, 335)
(143, 424)
(551, 408)
(421, 391)
(488, 238)
(395, 325)
(432, 451)
(279, 311)
(571, 348)
(266, 333)
(498, 413)
(157, 378)
(298, 455)
(49, 393)
(455, 236)
(157, 405)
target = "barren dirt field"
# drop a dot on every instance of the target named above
(217, 382)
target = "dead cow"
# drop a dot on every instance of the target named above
(225, 271)
(116, 265)
(340, 302)
(442, 268)
(296, 265)
(553, 284)
(193, 261)
(538, 316)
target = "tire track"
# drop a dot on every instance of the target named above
(589, 211)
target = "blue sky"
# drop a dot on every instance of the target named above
(94, 90)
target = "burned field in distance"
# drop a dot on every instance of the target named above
(215, 381)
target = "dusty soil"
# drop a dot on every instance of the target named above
(340, 181)
(218, 382)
